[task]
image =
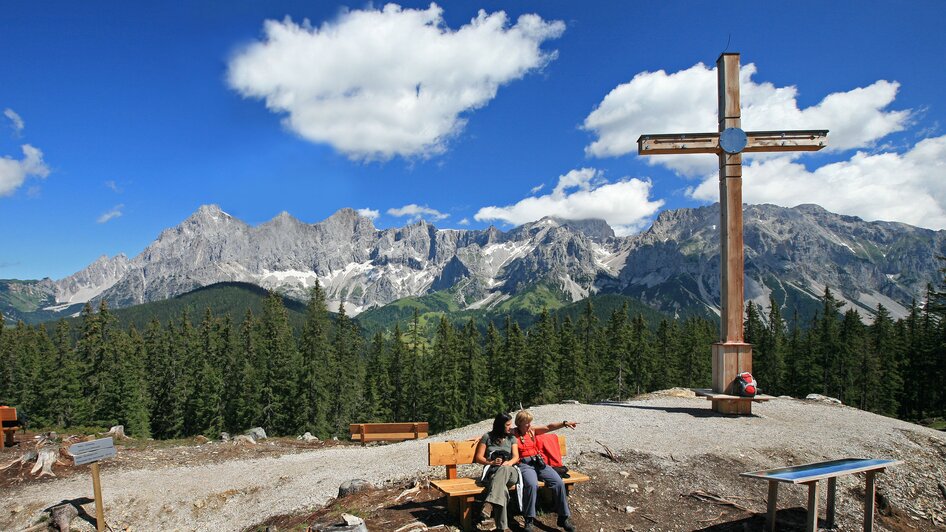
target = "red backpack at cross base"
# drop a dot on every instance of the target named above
(745, 385)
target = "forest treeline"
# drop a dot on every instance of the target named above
(183, 378)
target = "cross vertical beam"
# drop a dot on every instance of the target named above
(730, 205)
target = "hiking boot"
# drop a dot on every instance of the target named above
(566, 524)
(530, 525)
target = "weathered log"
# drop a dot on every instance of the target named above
(62, 516)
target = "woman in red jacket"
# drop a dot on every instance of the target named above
(533, 468)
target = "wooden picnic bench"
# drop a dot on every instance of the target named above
(462, 491)
(7, 415)
(365, 432)
(810, 474)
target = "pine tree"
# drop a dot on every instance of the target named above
(208, 409)
(771, 369)
(514, 391)
(480, 401)
(46, 382)
(641, 362)
(572, 376)
(880, 389)
(541, 373)
(133, 402)
(318, 364)
(449, 403)
(827, 343)
(666, 374)
(6, 365)
(253, 370)
(589, 342)
(277, 347)
(612, 369)
(495, 367)
(347, 402)
(399, 376)
(69, 406)
(378, 389)
(165, 405)
(107, 368)
(854, 356)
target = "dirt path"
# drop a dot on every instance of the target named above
(233, 494)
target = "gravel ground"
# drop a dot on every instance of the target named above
(236, 494)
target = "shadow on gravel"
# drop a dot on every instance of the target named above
(695, 412)
(787, 520)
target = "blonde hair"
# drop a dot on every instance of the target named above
(523, 417)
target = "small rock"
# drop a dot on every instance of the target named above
(353, 486)
(649, 489)
(633, 486)
(200, 504)
(823, 399)
(308, 437)
(243, 438)
(19, 508)
(570, 402)
(225, 436)
(629, 509)
(257, 433)
(352, 520)
(624, 474)
(201, 439)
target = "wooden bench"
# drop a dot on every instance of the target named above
(7, 413)
(461, 492)
(365, 432)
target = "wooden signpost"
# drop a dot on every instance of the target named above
(92, 452)
(731, 355)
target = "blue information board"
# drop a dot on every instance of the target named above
(819, 470)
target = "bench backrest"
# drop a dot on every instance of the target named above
(7, 413)
(388, 431)
(453, 453)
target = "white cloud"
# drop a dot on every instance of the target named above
(537, 188)
(369, 213)
(906, 187)
(582, 194)
(16, 122)
(465, 221)
(685, 102)
(375, 84)
(416, 212)
(114, 213)
(13, 172)
(113, 186)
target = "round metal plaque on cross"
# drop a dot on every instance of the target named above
(733, 140)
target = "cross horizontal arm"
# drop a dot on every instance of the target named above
(799, 140)
(678, 143)
(758, 141)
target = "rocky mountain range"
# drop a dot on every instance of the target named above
(791, 254)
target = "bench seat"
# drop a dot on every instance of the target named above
(7, 413)
(456, 487)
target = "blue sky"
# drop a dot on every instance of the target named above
(120, 120)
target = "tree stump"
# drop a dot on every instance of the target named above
(62, 516)
(117, 432)
(46, 457)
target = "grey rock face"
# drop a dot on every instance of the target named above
(350, 487)
(673, 266)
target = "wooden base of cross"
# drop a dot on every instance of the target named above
(729, 360)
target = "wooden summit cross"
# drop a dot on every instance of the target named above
(731, 355)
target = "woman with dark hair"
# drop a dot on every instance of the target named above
(497, 450)
(532, 467)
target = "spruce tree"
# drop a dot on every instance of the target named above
(347, 399)
(641, 362)
(318, 365)
(70, 407)
(589, 342)
(475, 389)
(666, 374)
(278, 349)
(828, 348)
(448, 396)
(541, 373)
(399, 376)
(514, 347)
(772, 368)
(573, 376)
(165, 405)
(133, 401)
(378, 389)
(612, 369)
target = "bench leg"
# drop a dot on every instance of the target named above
(869, 502)
(832, 492)
(466, 513)
(770, 514)
(811, 520)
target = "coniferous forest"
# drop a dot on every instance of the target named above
(205, 376)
